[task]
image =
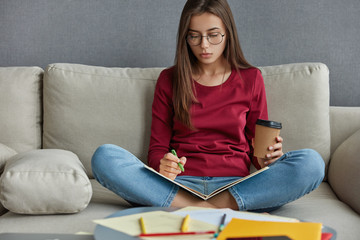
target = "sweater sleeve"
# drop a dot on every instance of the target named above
(162, 119)
(258, 109)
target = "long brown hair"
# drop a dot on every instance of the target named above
(186, 62)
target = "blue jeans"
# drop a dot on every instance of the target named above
(295, 174)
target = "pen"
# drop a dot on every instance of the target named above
(142, 225)
(221, 226)
(174, 234)
(185, 224)
(179, 164)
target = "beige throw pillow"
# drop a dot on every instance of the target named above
(47, 181)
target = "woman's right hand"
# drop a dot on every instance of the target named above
(169, 165)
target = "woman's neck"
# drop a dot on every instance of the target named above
(212, 74)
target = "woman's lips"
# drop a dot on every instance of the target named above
(205, 55)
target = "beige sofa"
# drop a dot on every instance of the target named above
(52, 121)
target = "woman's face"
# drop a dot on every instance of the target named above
(210, 25)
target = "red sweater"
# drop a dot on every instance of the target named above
(224, 117)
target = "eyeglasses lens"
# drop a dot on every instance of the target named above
(213, 38)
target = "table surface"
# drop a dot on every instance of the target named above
(104, 233)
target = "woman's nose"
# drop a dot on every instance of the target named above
(204, 42)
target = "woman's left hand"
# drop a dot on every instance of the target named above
(275, 155)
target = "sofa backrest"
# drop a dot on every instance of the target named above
(298, 96)
(21, 107)
(87, 106)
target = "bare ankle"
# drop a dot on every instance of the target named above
(224, 200)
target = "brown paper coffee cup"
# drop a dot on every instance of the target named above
(265, 136)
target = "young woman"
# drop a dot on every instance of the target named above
(205, 107)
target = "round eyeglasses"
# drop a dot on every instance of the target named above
(195, 39)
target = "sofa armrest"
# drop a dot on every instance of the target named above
(344, 168)
(343, 123)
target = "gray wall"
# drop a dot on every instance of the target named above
(142, 33)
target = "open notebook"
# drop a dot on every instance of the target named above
(219, 190)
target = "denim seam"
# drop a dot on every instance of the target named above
(205, 186)
(237, 198)
(285, 156)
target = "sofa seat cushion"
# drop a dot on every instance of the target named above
(47, 181)
(64, 223)
(323, 206)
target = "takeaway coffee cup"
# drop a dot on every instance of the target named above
(265, 136)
